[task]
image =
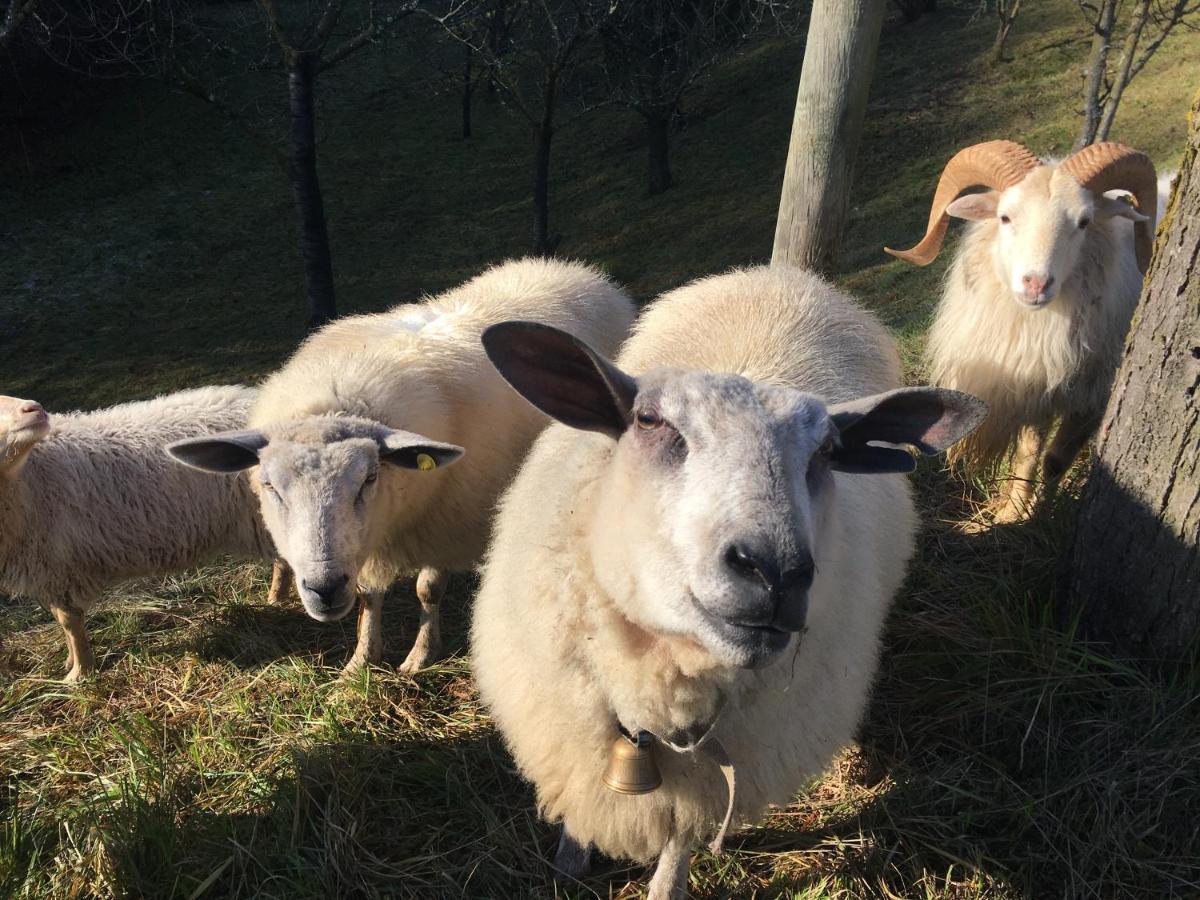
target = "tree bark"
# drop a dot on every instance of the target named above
(1134, 567)
(302, 172)
(543, 134)
(1008, 13)
(1141, 12)
(658, 145)
(831, 103)
(468, 88)
(1097, 68)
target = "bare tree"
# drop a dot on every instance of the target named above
(211, 52)
(655, 51)
(914, 9)
(539, 59)
(1006, 12)
(1134, 568)
(481, 24)
(1150, 22)
(14, 16)
(839, 56)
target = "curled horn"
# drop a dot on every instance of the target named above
(995, 164)
(1111, 167)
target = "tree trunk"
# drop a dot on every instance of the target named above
(1008, 13)
(543, 134)
(1140, 13)
(839, 55)
(1097, 68)
(1134, 567)
(468, 88)
(658, 144)
(302, 171)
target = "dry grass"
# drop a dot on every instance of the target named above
(218, 755)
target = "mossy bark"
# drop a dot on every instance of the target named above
(1134, 567)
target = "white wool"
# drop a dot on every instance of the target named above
(552, 656)
(422, 369)
(98, 501)
(1034, 366)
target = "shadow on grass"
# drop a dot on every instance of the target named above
(253, 636)
(415, 819)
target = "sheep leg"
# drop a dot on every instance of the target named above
(281, 582)
(671, 875)
(369, 650)
(80, 662)
(431, 586)
(1018, 500)
(572, 858)
(1075, 431)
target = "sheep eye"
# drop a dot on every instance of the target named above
(648, 420)
(1005, 220)
(370, 479)
(1084, 223)
(269, 488)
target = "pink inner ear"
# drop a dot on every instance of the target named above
(974, 207)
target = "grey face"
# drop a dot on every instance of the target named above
(735, 486)
(712, 516)
(327, 489)
(315, 501)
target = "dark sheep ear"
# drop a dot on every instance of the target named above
(413, 451)
(927, 418)
(228, 451)
(562, 376)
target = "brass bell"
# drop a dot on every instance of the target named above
(632, 768)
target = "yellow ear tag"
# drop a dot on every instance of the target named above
(425, 462)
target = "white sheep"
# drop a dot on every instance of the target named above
(90, 499)
(654, 571)
(1038, 298)
(363, 391)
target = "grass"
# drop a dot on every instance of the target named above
(149, 247)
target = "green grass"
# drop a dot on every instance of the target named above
(150, 247)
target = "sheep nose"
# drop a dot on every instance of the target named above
(31, 406)
(326, 588)
(787, 590)
(751, 565)
(744, 562)
(1036, 285)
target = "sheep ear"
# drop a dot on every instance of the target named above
(228, 451)
(562, 376)
(1113, 207)
(413, 451)
(927, 418)
(974, 206)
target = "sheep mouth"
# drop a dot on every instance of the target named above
(328, 614)
(1040, 303)
(32, 424)
(754, 643)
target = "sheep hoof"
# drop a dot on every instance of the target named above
(572, 858)
(355, 665)
(418, 658)
(75, 675)
(1008, 514)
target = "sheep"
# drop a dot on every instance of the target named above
(1038, 298)
(660, 553)
(90, 499)
(363, 391)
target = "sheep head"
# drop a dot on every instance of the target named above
(710, 513)
(318, 483)
(1042, 213)
(23, 423)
